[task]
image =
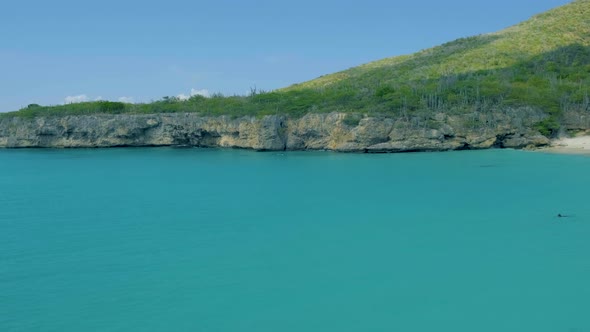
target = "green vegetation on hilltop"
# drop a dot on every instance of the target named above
(543, 62)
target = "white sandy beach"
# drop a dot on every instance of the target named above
(573, 145)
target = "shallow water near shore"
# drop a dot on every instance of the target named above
(228, 240)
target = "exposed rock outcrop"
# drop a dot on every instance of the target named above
(439, 132)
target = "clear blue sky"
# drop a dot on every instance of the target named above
(143, 50)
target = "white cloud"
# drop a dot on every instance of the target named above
(203, 92)
(182, 96)
(194, 92)
(129, 100)
(76, 99)
(99, 98)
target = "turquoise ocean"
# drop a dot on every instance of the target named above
(163, 239)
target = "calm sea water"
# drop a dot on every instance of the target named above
(209, 240)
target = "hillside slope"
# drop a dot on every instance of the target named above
(556, 36)
(543, 62)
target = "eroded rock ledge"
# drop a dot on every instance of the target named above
(334, 131)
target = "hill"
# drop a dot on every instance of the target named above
(543, 63)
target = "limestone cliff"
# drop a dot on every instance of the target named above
(512, 128)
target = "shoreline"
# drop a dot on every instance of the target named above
(574, 145)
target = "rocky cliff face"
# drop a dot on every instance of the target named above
(334, 131)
